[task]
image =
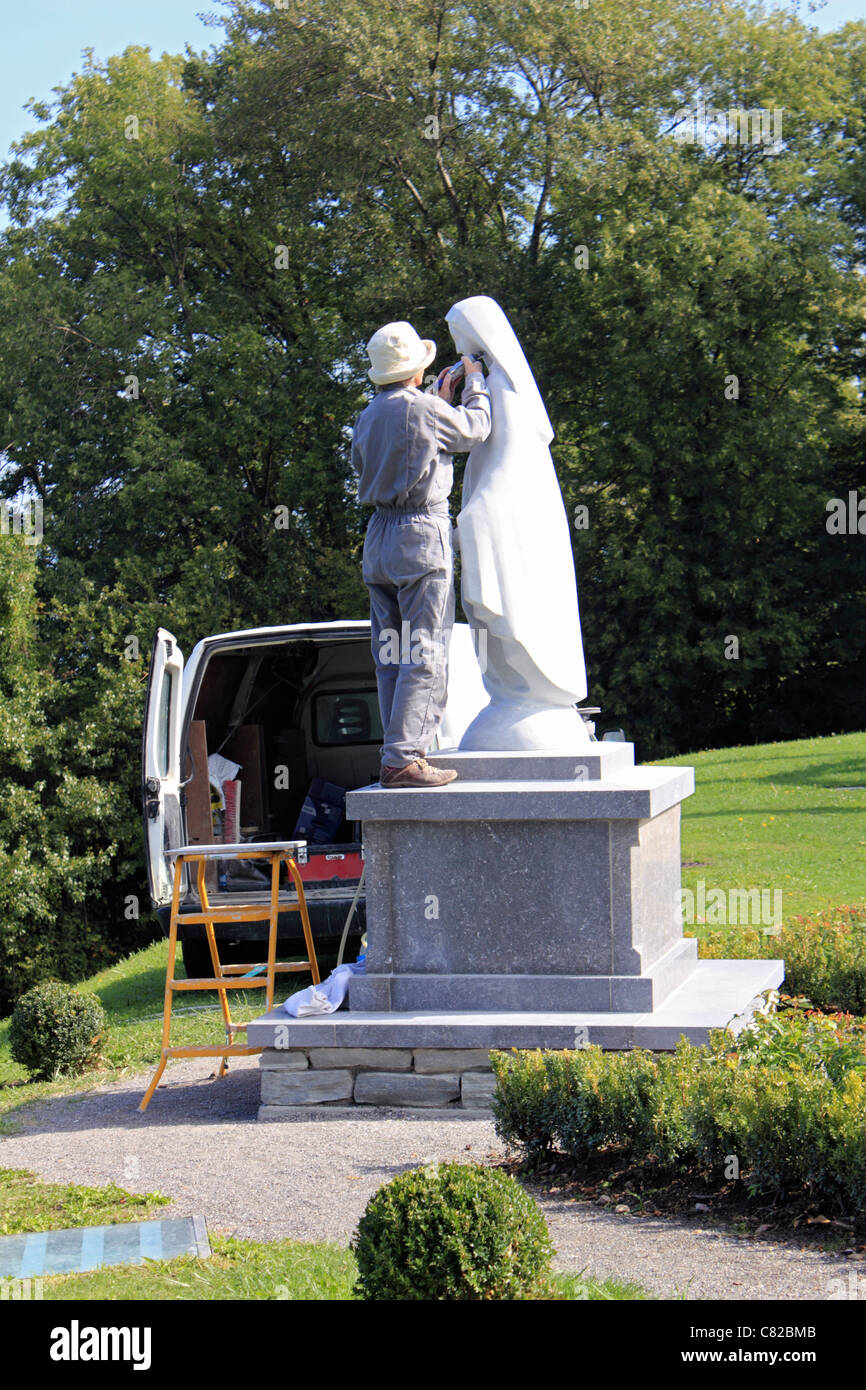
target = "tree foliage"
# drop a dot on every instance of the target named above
(68, 852)
(200, 246)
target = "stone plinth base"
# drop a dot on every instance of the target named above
(351, 1058)
(536, 881)
(408, 1078)
(604, 994)
(532, 903)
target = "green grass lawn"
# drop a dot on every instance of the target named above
(29, 1204)
(282, 1270)
(780, 815)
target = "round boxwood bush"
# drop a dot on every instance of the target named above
(452, 1231)
(54, 1030)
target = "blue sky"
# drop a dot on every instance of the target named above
(43, 39)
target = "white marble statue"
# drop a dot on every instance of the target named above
(518, 584)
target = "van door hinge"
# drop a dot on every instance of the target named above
(152, 788)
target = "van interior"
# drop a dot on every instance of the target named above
(288, 712)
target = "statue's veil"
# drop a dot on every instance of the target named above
(517, 567)
(479, 325)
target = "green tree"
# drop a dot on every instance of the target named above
(64, 841)
(170, 397)
(200, 247)
(694, 313)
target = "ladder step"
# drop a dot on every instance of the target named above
(236, 914)
(232, 982)
(226, 1050)
(258, 965)
(224, 982)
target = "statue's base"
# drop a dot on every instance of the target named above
(606, 993)
(427, 1060)
(526, 726)
(533, 903)
(717, 994)
(535, 881)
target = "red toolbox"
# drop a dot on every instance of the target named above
(328, 865)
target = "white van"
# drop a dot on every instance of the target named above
(288, 704)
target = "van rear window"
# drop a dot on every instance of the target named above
(163, 751)
(347, 716)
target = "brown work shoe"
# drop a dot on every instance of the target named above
(417, 774)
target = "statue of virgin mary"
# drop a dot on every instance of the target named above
(517, 570)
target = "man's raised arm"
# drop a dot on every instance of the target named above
(460, 427)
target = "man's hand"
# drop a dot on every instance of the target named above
(446, 386)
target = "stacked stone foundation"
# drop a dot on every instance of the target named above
(409, 1078)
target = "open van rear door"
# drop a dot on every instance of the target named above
(160, 763)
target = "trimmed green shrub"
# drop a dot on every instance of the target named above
(452, 1232)
(788, 1100)
(529, 1109)
(801, 1036)
(605, 1097)
(676, 1111)
(824, 954)
(54, 1030)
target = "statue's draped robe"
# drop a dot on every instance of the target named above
(517, 567)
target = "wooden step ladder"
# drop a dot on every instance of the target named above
(258, 975)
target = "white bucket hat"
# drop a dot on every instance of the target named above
(397, 353)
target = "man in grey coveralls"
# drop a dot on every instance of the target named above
(401, 450)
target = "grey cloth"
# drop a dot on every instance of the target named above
(402, 443)
(401, 449)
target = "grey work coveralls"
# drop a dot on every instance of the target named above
(401, 450)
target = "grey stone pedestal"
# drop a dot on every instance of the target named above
(534, 882)
(533, 903)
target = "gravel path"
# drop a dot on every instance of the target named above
(309, 1178)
